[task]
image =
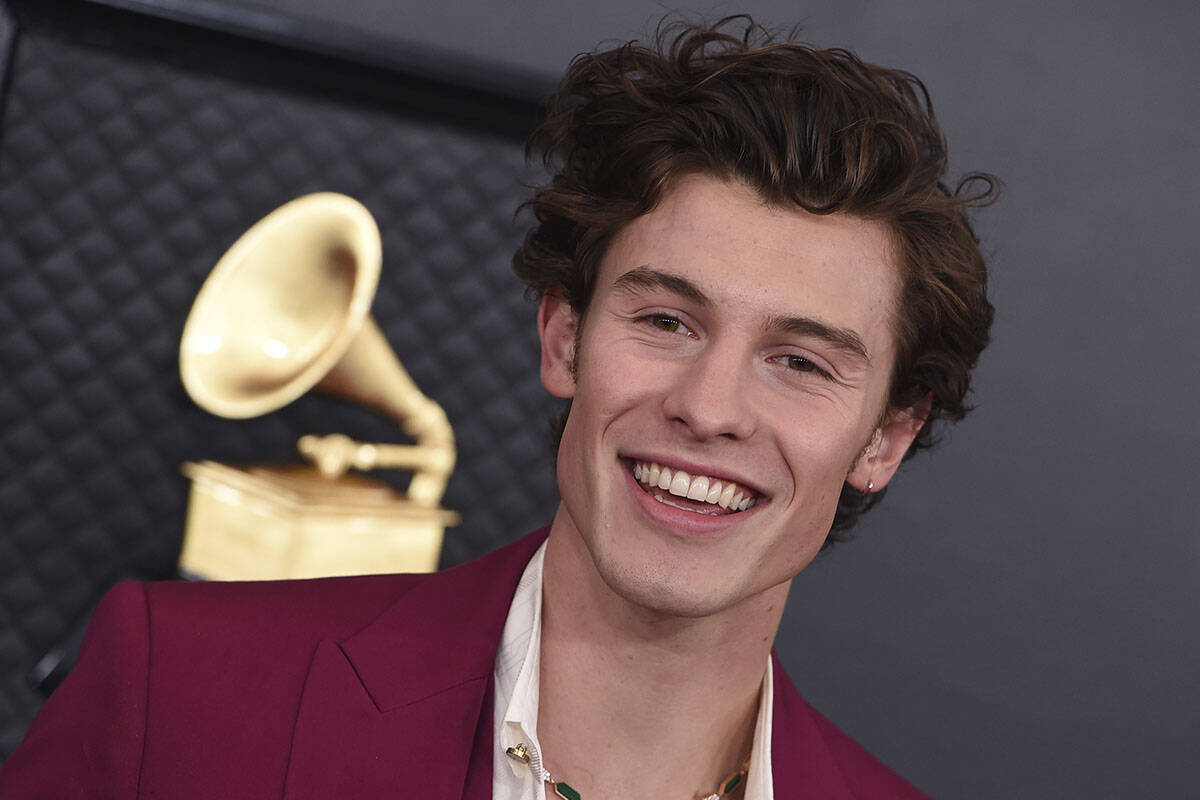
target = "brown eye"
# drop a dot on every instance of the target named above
(801, 364)
(668, 324)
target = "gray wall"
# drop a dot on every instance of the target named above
(1018, 618)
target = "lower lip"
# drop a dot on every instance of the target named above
(678, 521)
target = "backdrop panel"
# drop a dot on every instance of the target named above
(134, 152)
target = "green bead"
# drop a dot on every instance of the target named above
(732, 783)
(565, 791)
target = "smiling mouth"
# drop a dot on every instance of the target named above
(699, 494)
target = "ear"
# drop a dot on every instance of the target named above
(882, 457)
(557, 324)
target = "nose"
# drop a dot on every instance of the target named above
(709, 395)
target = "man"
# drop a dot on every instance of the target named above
(758, 297)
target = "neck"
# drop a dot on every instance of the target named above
(635, 702)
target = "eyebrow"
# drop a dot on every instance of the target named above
(647, 278)
(843, 339)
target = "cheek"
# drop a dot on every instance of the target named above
(615, 384)
(821, 456)
(595, 407)
(571, 444)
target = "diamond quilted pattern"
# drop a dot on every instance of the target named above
(122, 179)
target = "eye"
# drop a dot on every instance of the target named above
(801, 364)
(804, 365)
(665, 323)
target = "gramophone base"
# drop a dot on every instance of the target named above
(274, 523)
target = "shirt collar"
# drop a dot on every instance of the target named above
(518, 669)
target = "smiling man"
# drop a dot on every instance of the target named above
(759, 298)
(728, 376)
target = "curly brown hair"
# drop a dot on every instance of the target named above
(817, 129)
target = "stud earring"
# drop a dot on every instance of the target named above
(870, 486)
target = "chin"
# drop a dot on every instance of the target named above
(667, 592)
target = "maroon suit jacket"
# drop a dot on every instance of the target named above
(366, 687)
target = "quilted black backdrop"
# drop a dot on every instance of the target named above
(133, 152)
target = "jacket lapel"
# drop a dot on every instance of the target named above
(404, 707)
(802, 765)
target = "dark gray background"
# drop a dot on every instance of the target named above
(1018, 618)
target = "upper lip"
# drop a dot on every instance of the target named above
(695, 468)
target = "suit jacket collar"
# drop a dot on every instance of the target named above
(443, 632)
(404, 707)
(802, 763)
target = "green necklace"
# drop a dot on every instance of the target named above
(568, 792)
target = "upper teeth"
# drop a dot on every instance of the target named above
(726, 494)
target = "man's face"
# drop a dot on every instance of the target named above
(735, 342)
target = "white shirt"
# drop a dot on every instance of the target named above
(515, 707)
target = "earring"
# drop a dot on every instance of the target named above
(870, 487)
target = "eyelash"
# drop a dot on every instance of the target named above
(811, 366)
(655, 319)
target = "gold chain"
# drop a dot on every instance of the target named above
(567, 792)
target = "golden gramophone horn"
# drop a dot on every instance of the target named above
(285, 310)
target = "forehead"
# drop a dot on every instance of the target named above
(757, 260)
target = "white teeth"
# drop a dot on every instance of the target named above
(700, 487)
(667, 502)
(664, 479)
